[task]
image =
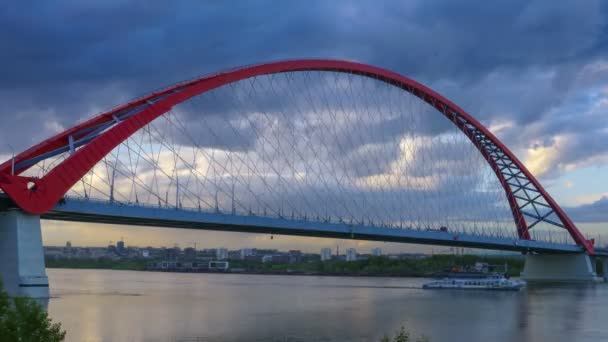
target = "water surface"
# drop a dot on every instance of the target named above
(102, 305)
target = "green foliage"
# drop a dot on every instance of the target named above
(24, 320)
(100, 263)
(374, 266)
(403, 336)
(381, 266)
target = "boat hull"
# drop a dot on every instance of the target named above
(514, 288)
(496, 283)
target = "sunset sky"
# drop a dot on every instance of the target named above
(534, 72)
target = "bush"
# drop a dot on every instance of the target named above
(22, 319)
(403, 336)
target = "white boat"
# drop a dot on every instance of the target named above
(495, 282)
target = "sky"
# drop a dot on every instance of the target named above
(534, 72)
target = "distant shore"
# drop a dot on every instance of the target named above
(373, 267)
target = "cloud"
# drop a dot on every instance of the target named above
(534, 69)
(593, 212)
(519, 60)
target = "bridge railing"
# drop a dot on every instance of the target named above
(557, 238)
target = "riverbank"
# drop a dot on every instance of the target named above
(372, 267)
(97, 264)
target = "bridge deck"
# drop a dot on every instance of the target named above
(83, 210)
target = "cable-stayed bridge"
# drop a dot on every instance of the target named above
(305, 147)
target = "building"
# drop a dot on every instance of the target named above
(246, 252)
(111, 251)
(67, 250)
(208, 254)
(295, 256)
(376, 251)
(120, 247)
(53, 252)
(234, 254)
(351, 254)
(325, 254)
(267, 258)
(281, 258)
(173, 253)
(189, 253)
(221, 254)
(219, 265)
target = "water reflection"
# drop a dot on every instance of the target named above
(139, 306)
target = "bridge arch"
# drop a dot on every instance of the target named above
(92, 140)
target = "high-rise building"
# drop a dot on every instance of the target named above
(376, 251)
(189, 253)
(325, 254)
(173, 253)
(351, 254)
(246, 252)
(67, 250)
(221, 254)
(120, 246)
(295, 256)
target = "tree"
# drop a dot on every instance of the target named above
(23, 319)
(403, 336)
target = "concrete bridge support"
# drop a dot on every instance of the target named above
(559, 268)
(604, 268)
(21, 255)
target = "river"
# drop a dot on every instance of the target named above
(103, 305)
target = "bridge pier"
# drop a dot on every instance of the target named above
(604, 262)
(21, 255)
(559, 268)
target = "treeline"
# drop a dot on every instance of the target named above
(382, 266)
(101, 263)
(374, 266)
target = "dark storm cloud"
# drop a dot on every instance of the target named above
(69, 58)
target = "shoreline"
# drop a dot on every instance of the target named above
(310, 274)
(370, 268)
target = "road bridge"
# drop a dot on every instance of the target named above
(320, 148)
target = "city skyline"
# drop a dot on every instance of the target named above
(122, 245)
(57, 233)
(122, 250)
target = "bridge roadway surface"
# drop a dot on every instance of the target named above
(94, 211)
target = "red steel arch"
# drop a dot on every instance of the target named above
(38, 196)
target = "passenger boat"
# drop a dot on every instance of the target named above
(496, 282)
